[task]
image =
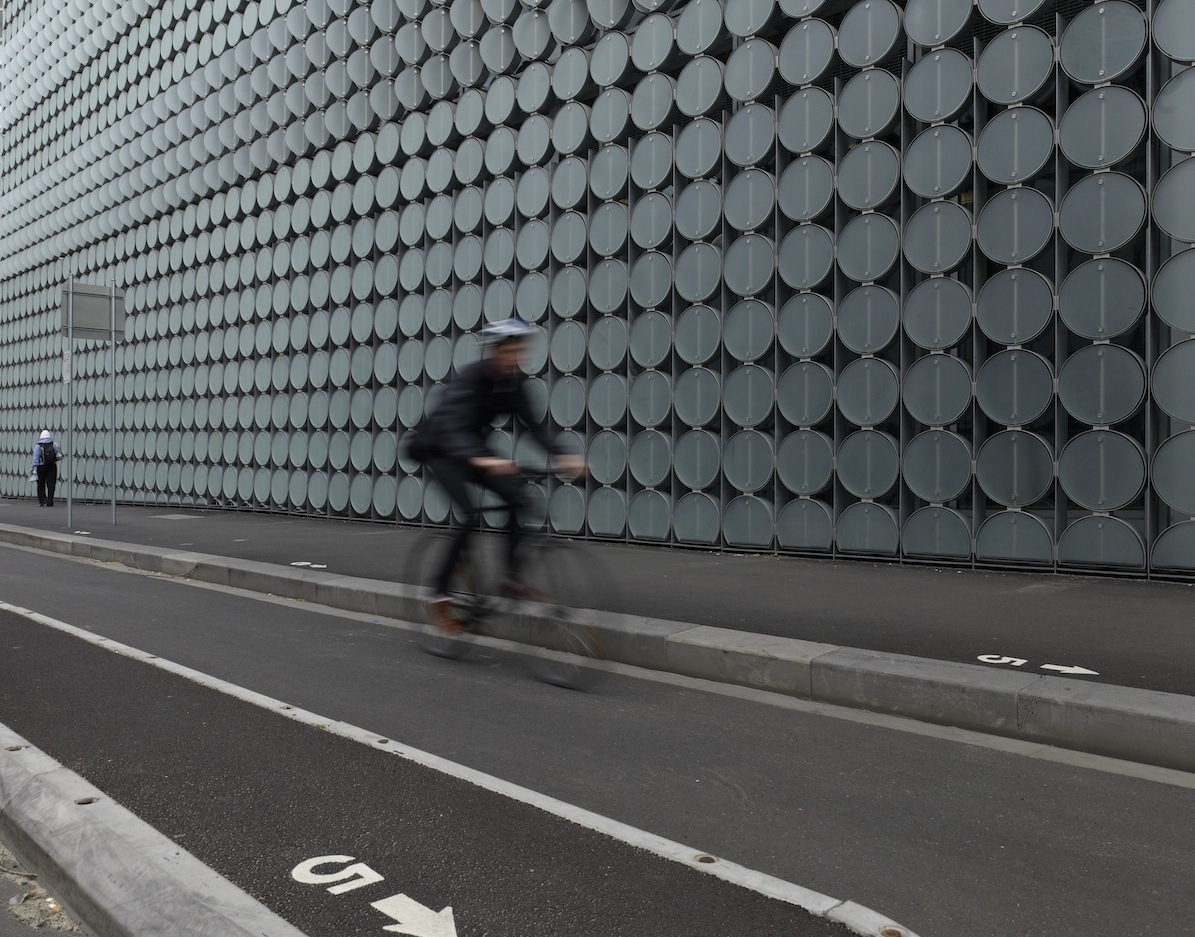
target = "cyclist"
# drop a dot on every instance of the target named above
(451, 441)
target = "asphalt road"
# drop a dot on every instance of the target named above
(947, 832)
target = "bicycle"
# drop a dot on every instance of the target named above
(559, 644)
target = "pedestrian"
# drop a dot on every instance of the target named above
(45, 466)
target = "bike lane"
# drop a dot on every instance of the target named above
(341, 838)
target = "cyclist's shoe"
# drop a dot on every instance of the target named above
(442, 614)
(523, 591)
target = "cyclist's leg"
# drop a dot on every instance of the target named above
(512, 490)
(454, 476)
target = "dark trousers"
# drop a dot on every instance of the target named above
(456, 475)
(47, 481)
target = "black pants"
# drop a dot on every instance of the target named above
(47, 481)
(456, 475)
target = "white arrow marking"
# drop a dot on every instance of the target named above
(1075, 670)
(414, 919)
(1000, 659)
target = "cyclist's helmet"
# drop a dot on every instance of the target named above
(508, 330)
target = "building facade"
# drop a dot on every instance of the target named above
(811, 277)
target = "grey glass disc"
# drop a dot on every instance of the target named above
(1102, 212)
(1173, 287)
(570, 128)
(1015, 468)
(1014, 535)
(751, 69)
(698, 334)
(750, 263)
(937, 466)
(650, 398)
(936, 22)
(806, 188)
(607, 400)
(868, 176)
(1102, 470)
(532, 245)
(608, 172)
(806, 256)
(748, 461)
(651, 458)
(651, 161)
(1016, 225)
(1103, 42)
(868, 463)
(531, 195)
(798, 9)
(569, 183)
(1015, 306)
(1016, 65)
(805, 325)
(568, 292)
(869, 103)
(1102, 384)
(699, 89)
(868, 247)
(1015, 387)
(607, 344)
(533, 35)
(651, 280)
(867, 391)
(805, 461)
(1007, 12)
(938, 161)
(608, 228)
(650, 339)
(699, 210)
(807, 51)
(698, 397)
(1175, 547)
(610, 62)
(937, 390)
(649, 515)
(570, 74)
(938, 237)
(653, 45)
(869, 32)
(749, 330)
(532, 296)
(805, 394)
(936, 531)
(534, 140)
(566, 402)
(1104, 297)
(1174, 29)
(651, 221)
(867, 528)
(1172, 478)
(868, 318)
(750, 199)
(938, 87)
(698, 272)
(609, 285)
(1171, 382)
(653, 103)
(937, 313)
(610, 115)
(695, 519)
(1106, 124)
(611, 14)
(1102, 541)
(501, 101)
(700, 26)
(1015, 145)
(804, 524)
(806, 120)
(1174, 201)
(751, 135)
(571, 24)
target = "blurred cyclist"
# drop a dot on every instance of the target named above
(451, 441)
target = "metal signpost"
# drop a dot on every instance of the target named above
(89, 313)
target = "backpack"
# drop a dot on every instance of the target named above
(49, 455)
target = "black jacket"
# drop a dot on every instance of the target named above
(463, 417)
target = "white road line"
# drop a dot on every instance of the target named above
(855, 917)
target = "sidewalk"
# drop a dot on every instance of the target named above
(906, 641)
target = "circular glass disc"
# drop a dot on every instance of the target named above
(1102, 298)
(1174, 29)
(1173, 287)
(805, 461)
(1015, 387)
(868, 463)
(1102, 384)
(806, 120)
(1102, 213)
(869, 103)
(1016, 65)
(806, 393)
(868, 319)
(937, 313)
(1101, 470)
(805, 325)
(698, 334)
(1015, 145)
(868, 247)
(868, 176)
(1015, 468)
(699, 148)
(1103, 42)
(1174, 201)
(938, 237)
(699, 210)
(806, 188)
(807, 51)
(750, 135)
(750, 199)
(938, 162)
(1173, 390)
(868, 33)
(806, 256)
(937, 390)
(1015, 306)
(1106, 124)
(1016, 225)
(938, 87)
(937, 466)
(936, 22)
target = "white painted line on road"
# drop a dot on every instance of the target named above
(855, 917)
(1004, 660)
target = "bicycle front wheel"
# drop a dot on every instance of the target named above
(426, 558)
(563, 647)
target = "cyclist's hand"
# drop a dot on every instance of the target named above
(571, 465)
(495, 466)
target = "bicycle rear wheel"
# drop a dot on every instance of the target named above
(563, 647)
(467, 598)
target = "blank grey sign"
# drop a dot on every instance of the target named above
(750, 200)
(649, 515)
(868, 32)
(699, 210)
(1173, 480)
(806, 120)
(937, 313)
(1174, 29)
(608, 342)
(651, 458)
(1007, 12)
(1015, 387)
(749, 395)
(698, 334)
(698, 272)
(938, 162)
(695, 519)
(868, 247)
(1015, 306)
(868, 463)
(1173, 287)
(868, 176)
(1104, 297)
(937, 390)
(650, 398)
(805, 461)
(609, 171)
(1174, 111)
(1016, 225)
(698, 459)
(936, 22)
(750, 329)
(1102, 384)
(1106, 124)
(805, 394)
(699, 87)
(1015, 468)
(699, 148)
(750, 135)
(1102, 213)
(1016, 145)
(1102, 470)
(937, 466)
(1174, 201)
(1014, 535)
(1016, 65)
(700, 26)
(698, 396)
(1103, 42)
(807, 51)
(938, 87)
(868, 319)
(805, 325)
(1173, 389)
(1102, 541)
(869, 104)
(804, 524)
(938, 237)
(751, 70)
(936, 531)
(568, 182)
(806, 256)
(651, 221)
(868, 391)
(807, 187)
(750, 263)
(651, 161)
(651, 280)
(650, 339)
(748, 461)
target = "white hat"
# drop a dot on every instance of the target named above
(45, 436)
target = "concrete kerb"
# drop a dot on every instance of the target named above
(1138, 725)
(114, 874)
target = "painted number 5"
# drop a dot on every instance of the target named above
(352, 876)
